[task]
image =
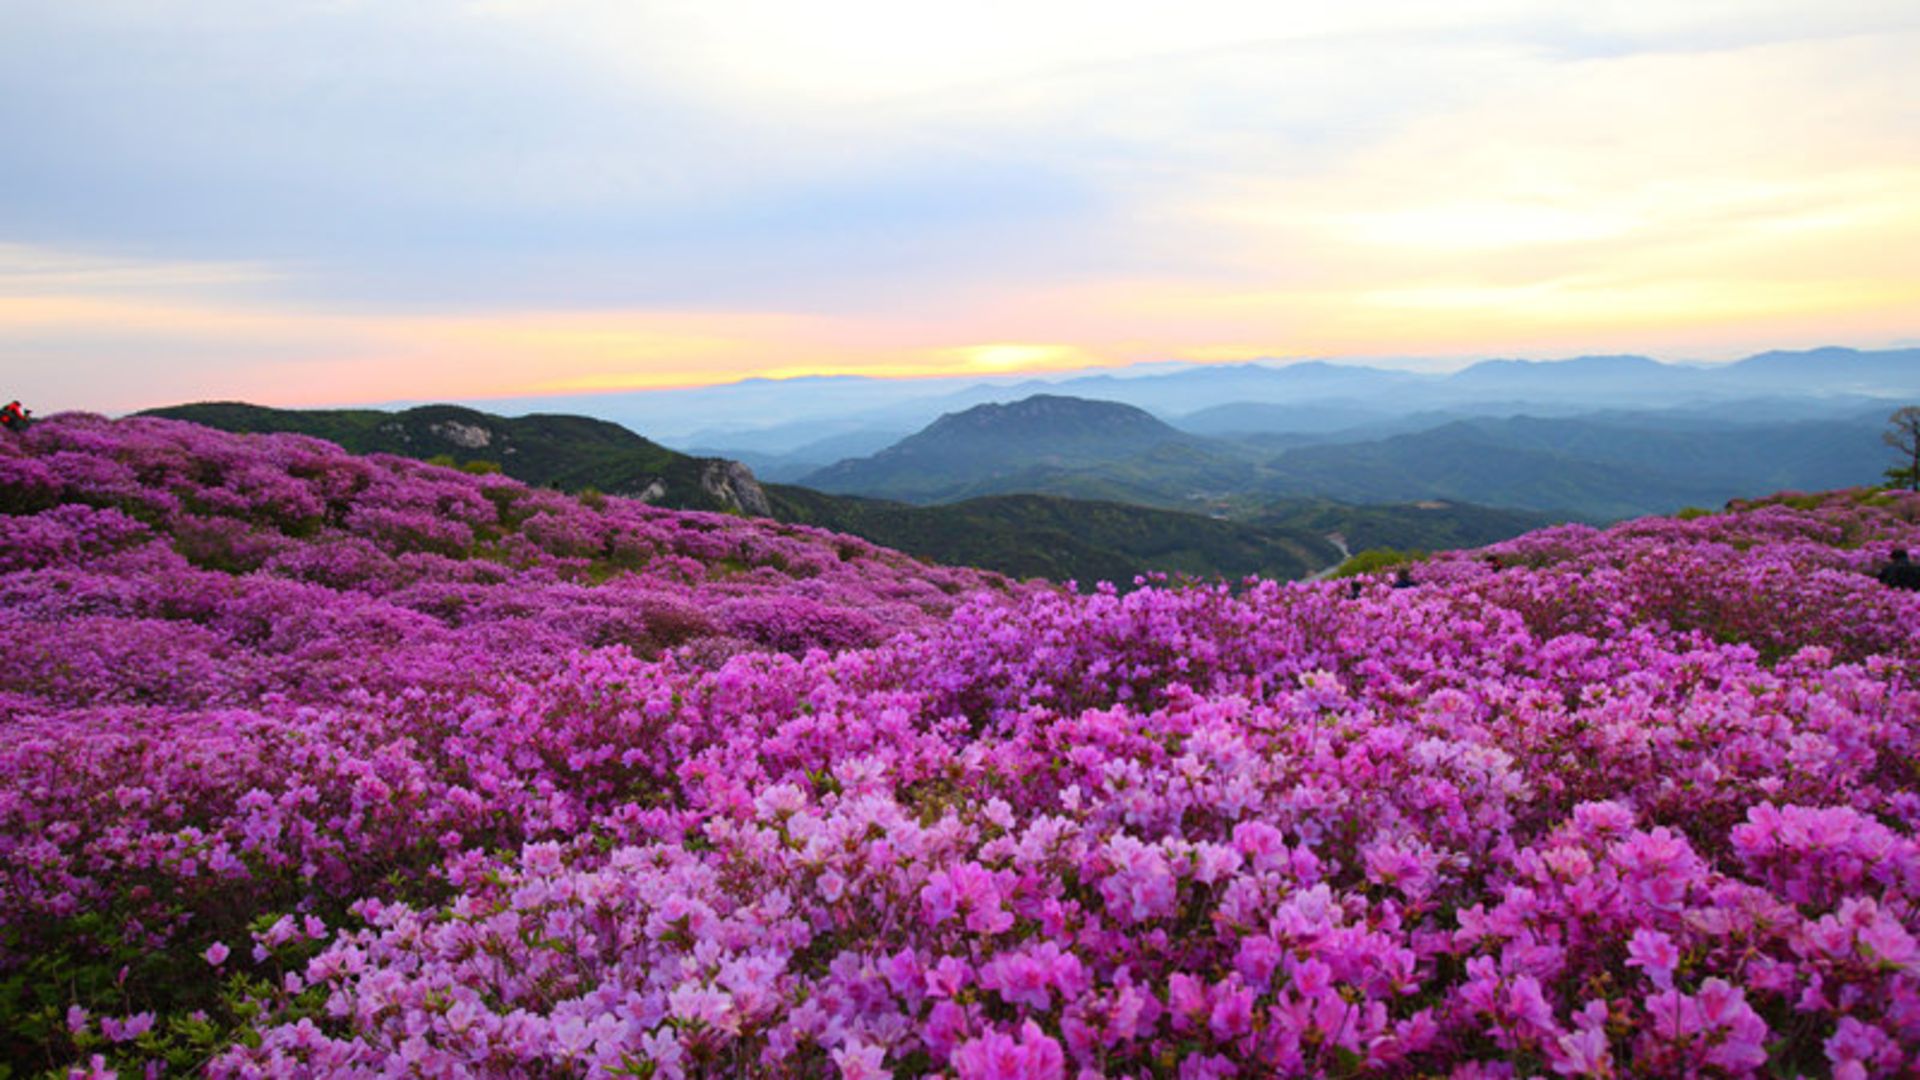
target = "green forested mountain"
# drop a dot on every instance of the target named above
(992, 448)
(567, 452)
(1599, 467)
(1428, 525)
(1087, 540)
(1026, 535)
(1046, 536)
(1055, 538)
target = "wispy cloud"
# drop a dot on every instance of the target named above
(27, 271)
(344, 201)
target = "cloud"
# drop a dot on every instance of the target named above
(393, 155)
(27, 271)
(602, 193)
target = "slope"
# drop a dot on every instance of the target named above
(567, 452)
(1066, 539)
(1110, 530)
(967, 452)
(1586, 468)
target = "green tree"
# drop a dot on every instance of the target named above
(1903, 434)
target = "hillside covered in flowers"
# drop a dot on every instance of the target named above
(317, 765)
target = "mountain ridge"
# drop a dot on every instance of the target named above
(543, 449)
(943, 460)
(1051, 536)
(861, 402)
(1602, 466)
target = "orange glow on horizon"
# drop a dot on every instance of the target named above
(341, 360)
(1411, 183)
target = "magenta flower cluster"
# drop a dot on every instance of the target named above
(450, 777)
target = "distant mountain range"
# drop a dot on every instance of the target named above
(1024, 535)
(779, 419)
(1608, 465)
(1605, 468)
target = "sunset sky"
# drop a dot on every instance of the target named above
(334, 202)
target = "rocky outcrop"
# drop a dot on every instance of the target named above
(652, 493)
(728, 485)
(470, 436)
(733, 485)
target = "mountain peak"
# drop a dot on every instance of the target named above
(1052, 417)
(999, 440)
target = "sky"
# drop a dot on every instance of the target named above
(330, 202)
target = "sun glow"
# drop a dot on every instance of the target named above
(774, 195)
(1005, 358)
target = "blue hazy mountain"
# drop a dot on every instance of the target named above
(993, 444)
(1603, 465)
(768, 416)
(1227, 436)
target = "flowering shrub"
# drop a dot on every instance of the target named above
(618, 790)
(253, 674)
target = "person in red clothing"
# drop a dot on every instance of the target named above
(13, 417)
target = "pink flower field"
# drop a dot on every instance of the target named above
(323, 765)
